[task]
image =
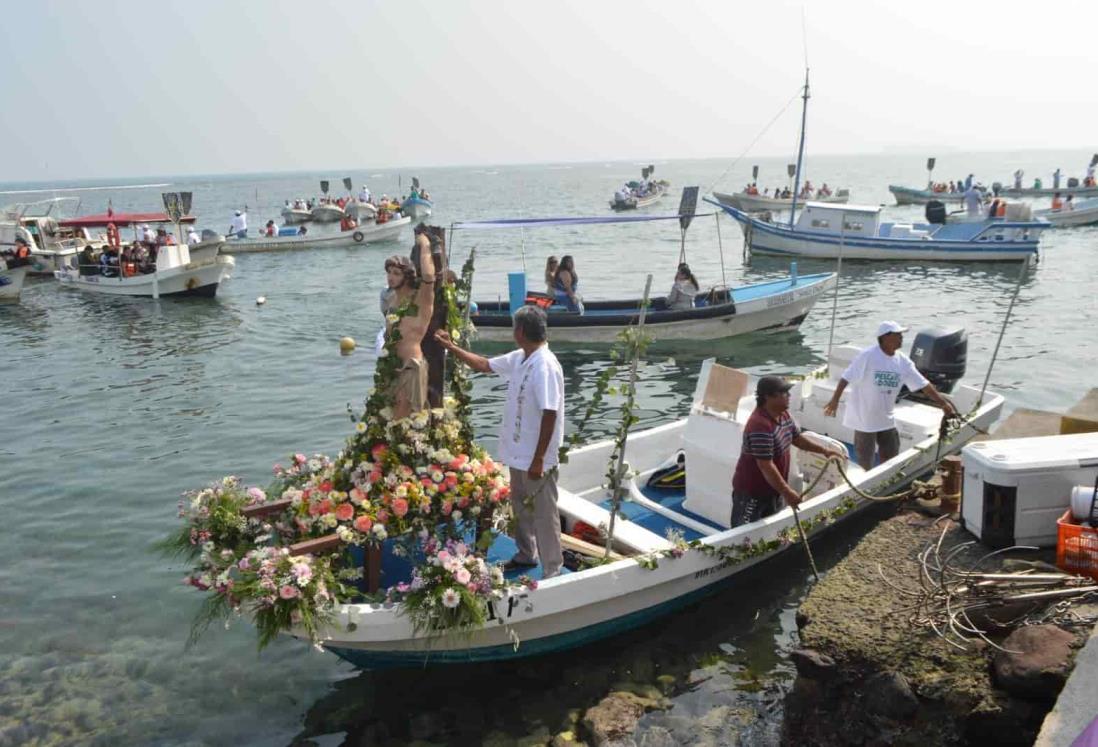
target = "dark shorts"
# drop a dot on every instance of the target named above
(749, 508)
(866, 444)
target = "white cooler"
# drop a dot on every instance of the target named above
(1016, 489)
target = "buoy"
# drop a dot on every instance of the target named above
(260, 300)
(346, 345)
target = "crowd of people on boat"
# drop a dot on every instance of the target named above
(637, 190)
(807, 191)
(114, 259)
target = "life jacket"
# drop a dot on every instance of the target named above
(1001, 211)
(1057, 203)
(22, 251)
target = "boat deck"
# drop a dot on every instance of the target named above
(658, 523)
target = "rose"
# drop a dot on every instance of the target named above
(300, 458)
(288, 592)
(462, 576)
(400, 507)
(363, 523)
(345, 511)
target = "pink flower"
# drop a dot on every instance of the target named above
(363, 523)
(287, 592)
(357, 496)
(400, 507)
(382, 517)
(256, 495)
(344, 511)
(462, 576)
(471, 587)
(300, 458)
(379, 451)
(459, 461)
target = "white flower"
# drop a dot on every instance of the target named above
(346, 534)
(455, 335)
(329, 521)
(379, 531)
(456, 516)
(450, 599)
(314, 465)
(360, 427)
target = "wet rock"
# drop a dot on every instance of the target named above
(889, 694)
(657, 736)
(566, 739)
(813, 664)
(1041, 665)
(371, 735)
(614, 718)
(539, 738)
(650, 695)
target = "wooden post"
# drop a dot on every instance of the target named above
(952, 480)
(371, 568)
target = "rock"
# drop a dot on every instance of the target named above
(614, 718)
(889, 694)
(539, 738)
(813, 664)
(657, 736)
(372, 735)
(566, 739)
(1041, 666)
(650, 695)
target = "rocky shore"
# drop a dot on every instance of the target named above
(867, 675)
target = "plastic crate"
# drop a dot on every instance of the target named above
(1076, 547)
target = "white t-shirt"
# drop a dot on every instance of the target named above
(193, 237)
(973, 200)
(239, 223)
(534, 385)
(875, 380)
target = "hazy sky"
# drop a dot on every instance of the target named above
(105, 89)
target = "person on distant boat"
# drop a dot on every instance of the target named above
(683, 290)
(974, 200)
(968, 182)
(270, 230)
(760, 480)
(19, 254)
(238, 227)
(347, 223)
(302, 231)
(364, 194)
(876, 375)
(1089, 180)
(551, 266)
(1055, 178)
(108, 262)
(192, 237)
(1037, 184)
(1057, 203)
(1018, 178)
(825, 191)
(566, 285)
(1068, 203)
(87, 264)
(952, 187)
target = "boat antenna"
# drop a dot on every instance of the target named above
(800, 149)
(1006, 319)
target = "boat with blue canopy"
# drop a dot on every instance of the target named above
(718, 313)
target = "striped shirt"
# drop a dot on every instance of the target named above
(763, 438)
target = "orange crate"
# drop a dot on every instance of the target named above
(1076, 546)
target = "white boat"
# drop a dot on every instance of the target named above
(579, 607)
(756, 203)
(417, 207)
(825, 231)
(360, 212)
(1078, 191)
(51, 244)
(773, 306)
(1082, 213)
(368, 234)
(914, 196)
(11, 281)
(175, 275)
(327, 212)
(296, 213)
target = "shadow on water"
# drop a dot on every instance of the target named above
(726, 657)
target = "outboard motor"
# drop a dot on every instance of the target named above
(1073, 182)
(996, 188)
(936, 212)
(940, 354)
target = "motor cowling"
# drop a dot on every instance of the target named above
(936, 212)
(941, 354)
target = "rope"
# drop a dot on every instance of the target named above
(757, 138)
(1002, 331)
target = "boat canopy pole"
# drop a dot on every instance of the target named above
(720, 247)
(800, 151)
(838, 275)
(620, 467)
(1006, 319)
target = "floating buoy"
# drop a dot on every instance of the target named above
(346, 345)
(260, 300)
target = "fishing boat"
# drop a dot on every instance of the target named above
(915, 196)
(656, 572)
(175, 274)
(359, 211)
(1082, 213)
(295, 213)
(753, 203)
(11, 281)
(327, 212)
(825, 231)
(417, 207)
(37, 224)
(773, 306)
(366, 234)
(640, 194)
(1078, 191)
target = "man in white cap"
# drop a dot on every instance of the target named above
(192, 237)
(876, 375)
(239, 225)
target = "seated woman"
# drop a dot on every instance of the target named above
(88, 264)
(551, 266)
(683, 291)
(566, 285)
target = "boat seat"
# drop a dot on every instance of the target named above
(626, 533)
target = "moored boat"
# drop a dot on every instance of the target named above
(1078, 191)
(674, 546)
(640, 194)
(294, 213)
(1082, 213)
(360, 211)
(175, 274)
(417, 207)
(756, 203)
(369, 233)
(856, 232)
(37, 223)
(11, 281)
(915, 196)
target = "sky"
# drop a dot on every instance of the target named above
(130, 88)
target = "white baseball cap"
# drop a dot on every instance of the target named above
(888, 327)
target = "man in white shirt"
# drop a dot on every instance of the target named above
(193, 237)
(974, 200)
(239, 225)
(364, 194)
(876, 375)
(148, 235)
(530, 436)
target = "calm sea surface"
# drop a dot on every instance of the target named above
(113, 407)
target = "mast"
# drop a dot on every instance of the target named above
(800, 150)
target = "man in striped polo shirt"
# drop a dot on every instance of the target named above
(759, 483)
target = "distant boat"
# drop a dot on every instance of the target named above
(1082, 213)
(756, 203)
(825, 231)
(360, 211)
(369, 233)
(640, 194)
(1078, 191)
(417, 207)
(295, 213)
(915, 196)
(327, 212)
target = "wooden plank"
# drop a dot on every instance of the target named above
(265, 509)
(318, 546)
(575, 544)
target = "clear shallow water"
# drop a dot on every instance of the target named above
(115, 406)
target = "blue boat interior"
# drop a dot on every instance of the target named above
(658, 523)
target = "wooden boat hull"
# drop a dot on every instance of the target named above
(771, 307)
(293, 216)
(369, 234)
